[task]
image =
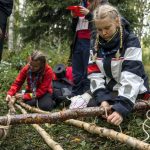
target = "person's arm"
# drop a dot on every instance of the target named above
(15, 87)
(132, 79)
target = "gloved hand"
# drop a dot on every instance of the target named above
(80, 101)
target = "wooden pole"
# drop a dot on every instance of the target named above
(53, 117)
(46, 137)
(109, 133)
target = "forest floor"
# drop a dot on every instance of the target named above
(24, 137)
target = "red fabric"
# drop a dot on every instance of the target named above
(27, 96)
(42, 86)
(93, 68)
(69, 73)
(83, 34)
(146, 96)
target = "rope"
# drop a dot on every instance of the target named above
(106, 115)
(5, 128)
(145, 125)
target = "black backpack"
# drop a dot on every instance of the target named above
(62, 87)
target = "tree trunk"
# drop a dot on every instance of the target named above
(11, 31)
(109, 133)
(22, 12)
(46, 137)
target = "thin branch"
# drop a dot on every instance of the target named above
(46, 137)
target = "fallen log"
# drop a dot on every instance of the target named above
(52, 117)
(46, 137)
(109, 133)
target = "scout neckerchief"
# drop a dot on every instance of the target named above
(112, 44)
(33, 83)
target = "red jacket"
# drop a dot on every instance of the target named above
(43, 86)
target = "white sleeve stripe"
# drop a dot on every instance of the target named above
(133, 53)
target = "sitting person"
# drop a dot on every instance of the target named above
(38, 75)
(119, 57)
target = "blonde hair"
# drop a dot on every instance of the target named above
(107, 10)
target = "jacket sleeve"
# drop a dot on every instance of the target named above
(98, 89)
(131, 80)
(93, 31)
(89, 16)
(74, 24)
(15, 87)
(46, 84)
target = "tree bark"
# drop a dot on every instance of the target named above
(109, 133)
(32, 109)
(46, 137)
(142, 105)
(53, 117)
(11, 31)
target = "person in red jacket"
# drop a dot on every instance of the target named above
(38, 75)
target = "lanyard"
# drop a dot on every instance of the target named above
(33, 83)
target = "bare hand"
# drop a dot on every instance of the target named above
(84, 10)
(8, 98)
(104, 104)
(18, 95)
(73, 14)
(115, 118)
